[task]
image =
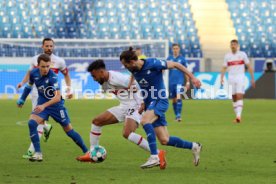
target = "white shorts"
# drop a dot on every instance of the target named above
(122, 112)
(237, 84)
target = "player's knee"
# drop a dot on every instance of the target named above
(126, 133)
(164, 141)
(32, 124)
(96, 122)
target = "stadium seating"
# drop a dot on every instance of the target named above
(101, 19)
(255, 24)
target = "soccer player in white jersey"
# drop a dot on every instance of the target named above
(57, 64)
(235, 61)
(129, 111)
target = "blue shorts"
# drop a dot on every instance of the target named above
(59, 114)
(175, 89)
(159, 107)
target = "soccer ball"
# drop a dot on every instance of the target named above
(98, 154)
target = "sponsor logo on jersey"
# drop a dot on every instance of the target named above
(143, 83)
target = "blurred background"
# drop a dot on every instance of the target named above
(84, 30)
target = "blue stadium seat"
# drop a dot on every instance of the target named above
(110, 19)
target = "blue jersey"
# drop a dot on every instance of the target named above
(46, 86)
(151, 77)
(176, 76)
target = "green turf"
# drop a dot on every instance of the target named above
(232, 153)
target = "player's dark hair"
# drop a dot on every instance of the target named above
(176, 44)
(96, 65)
(44, 57)
(138, 48)
(47, 39)
(128, 55)
(235, 41)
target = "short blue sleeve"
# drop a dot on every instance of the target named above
(53, 82)
(157, 64)
(184, 62)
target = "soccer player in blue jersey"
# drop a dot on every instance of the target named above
(148, 73)
(50, 103)
(176, 81)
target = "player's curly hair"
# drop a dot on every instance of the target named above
(96, 65)
(128, 55)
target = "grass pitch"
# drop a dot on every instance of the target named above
(232, 153)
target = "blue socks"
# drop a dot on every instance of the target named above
(175, 108)
(34, 134)
(179, 143)
(151, 138)
(77, 139)
(179, 107)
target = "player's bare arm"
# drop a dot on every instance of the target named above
(67, 78)
(54, 100)
(25, 79)
(250, 70)
(187, 85)
(223, 70)
(182, 68)
(131, 80)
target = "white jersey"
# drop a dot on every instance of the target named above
(117, 84)
(57, 63)
(236, 63)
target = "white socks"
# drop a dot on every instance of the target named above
(139, 140)
(95, 134)
(238, 106)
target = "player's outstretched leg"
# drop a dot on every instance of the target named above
(37, 156)
(180, 143)
(75, 137)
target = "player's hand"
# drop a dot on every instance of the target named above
(221, 82)
(253, 84)
(188, 85)
(19, 85)
(20, 103)
(39, 109)
(69, 93)
(196, 82)
(141, 109)
(133, 88)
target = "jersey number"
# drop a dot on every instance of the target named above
(62, 114)
(130, 112)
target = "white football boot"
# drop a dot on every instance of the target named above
(196, 152)
(36, 157)
(152, 162)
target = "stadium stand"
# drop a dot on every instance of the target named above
(102, 19)
(255, 25)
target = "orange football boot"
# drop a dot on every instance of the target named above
(162, 159)
(84, 158)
